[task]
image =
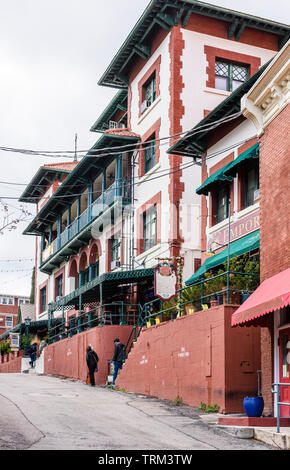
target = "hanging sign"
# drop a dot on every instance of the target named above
(165, 281)
(14, 341)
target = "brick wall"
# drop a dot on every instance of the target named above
(275, 228)
(275, 196)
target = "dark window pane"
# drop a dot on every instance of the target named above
(222, 205)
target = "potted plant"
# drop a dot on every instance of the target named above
(254, 406)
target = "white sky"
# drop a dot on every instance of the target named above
(52, 54)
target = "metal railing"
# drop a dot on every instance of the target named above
(276, 389)
(115, 313)
(215, 290)
(105, 200)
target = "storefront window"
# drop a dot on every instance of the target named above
(285, 356)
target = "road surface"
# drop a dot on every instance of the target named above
(51, 413)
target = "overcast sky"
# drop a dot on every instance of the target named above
(52, 54)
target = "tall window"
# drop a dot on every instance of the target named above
(150, 226)
(150, 90)
(116, 247)
(85, 276)
(251, 185)
(59, 286)
(149, 152)
(43, 299)
(222, 204)
(95, 269)
(229, 76)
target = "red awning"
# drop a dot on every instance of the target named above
(271, 295)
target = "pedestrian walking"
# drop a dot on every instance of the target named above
(32, 354)
(92, 363)
(118, 358)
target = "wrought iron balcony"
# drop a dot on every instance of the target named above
(78, 233)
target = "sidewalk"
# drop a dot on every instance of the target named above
(233, 424)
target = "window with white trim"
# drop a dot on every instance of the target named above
(150, 227)
(8, 321)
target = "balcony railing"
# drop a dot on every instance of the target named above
(98, 207)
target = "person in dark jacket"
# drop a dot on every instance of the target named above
(32, 353)
(118, 358)
(92, 363)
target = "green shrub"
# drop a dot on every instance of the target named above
(177, 400)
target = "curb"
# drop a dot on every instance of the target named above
(279, 440)
(240, 432)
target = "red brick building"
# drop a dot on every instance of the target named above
(267, 106)
(9, 306)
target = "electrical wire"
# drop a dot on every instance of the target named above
(94, 152)
(147, 180)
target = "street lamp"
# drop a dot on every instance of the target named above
(27, 324)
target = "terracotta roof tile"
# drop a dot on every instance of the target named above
(122, 132)
(67, 166)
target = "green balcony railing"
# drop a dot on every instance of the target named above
(114, 193)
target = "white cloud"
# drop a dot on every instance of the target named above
(52, 55)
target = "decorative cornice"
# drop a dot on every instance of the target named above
(270, 94)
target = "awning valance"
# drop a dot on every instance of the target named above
(238, 247)
(252, 152)
(228, 171)
(217, 176)
(271, 295)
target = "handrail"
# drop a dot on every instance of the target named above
(279, 403)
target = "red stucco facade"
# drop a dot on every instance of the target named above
(199, 358)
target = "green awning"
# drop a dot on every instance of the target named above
(217, 176)
(228, 171)
(252, 152)
(238, 247)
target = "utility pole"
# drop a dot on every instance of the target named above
(76, 146)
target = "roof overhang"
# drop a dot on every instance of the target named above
(166, 14)
(90, 292)
(195, 142)
(43, 178)
(119, 102)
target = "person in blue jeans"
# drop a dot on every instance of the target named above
(118, 358)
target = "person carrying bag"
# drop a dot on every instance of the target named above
(92, 363)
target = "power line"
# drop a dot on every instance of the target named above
(186, 165)
(94, 152)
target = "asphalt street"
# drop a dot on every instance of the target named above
(52, 413)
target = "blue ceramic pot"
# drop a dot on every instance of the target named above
(253, 406)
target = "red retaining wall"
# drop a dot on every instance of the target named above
(199, 358)
(11, 363)
(68, 357)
